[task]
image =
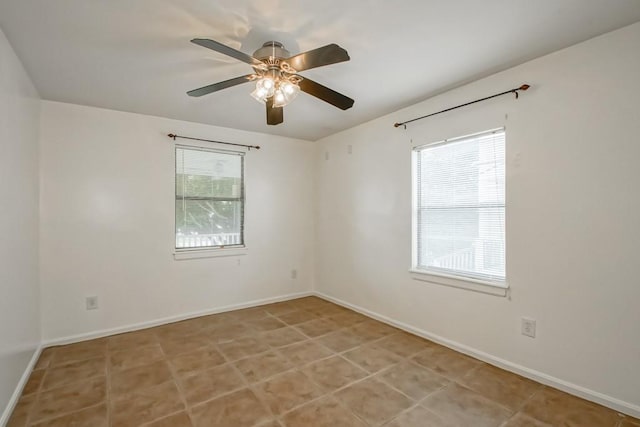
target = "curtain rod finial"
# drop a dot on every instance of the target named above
(524, 87)
(397, 125)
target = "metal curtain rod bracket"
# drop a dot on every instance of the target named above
(514, 91)
(174, 136)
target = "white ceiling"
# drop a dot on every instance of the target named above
(136, 56)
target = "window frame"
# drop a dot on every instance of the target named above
(493, 287)
(210, 251)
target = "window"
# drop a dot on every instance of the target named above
(209, 198)
(459, 207)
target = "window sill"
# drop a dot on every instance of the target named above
(485, 287)
(208, 253)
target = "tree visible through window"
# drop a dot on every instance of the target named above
(459, 212)
(209, 198)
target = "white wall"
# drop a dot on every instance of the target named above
(19, 312)
(107, 222)
(573, 227)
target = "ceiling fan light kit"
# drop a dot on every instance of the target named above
(276, 77)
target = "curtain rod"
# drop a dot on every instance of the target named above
(174, 136)
(514, 91)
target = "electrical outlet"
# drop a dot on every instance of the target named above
(92, 303)
(349, 149)
(528, 327)
(294, 274)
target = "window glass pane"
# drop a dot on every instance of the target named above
(209, 198)
(460, 206)
(208, 174)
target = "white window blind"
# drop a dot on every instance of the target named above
(459, 218)
(209, 198)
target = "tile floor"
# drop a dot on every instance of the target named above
(300, 363)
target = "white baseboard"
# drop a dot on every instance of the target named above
(157, 322)
(8, 410)
(585, 393)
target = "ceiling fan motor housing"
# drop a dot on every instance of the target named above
(271, 50)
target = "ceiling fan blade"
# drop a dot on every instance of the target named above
(220, 85)
(226, 50)
(327, 95)
(329, 54)
(275, 115)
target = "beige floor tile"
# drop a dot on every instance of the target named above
(373, 330)
(310, 301)
(325, 412)
(413, 380)
(181, 419)
(283, 336)
(249, 314)
(79, 351)
(131, 340)
(522, 420)
(191, 363)
(229, 332)
(333, 373)
(341, 340)
(629, 420)
(628, 423)
(446, 362)
(243, 347)
(420, 417)
(464, 407)
(266, 324)
(508, 389)
(134, 379)
(305, 352)
(373, 401)
(34, 382)
(69, 398)
(73, 372)
(372, 358)
(135, 356)
(176, 330)
(317, 327)
(561, 409)
(347, 318)
(146, 405)
(296, 317)
(327, 311)
(280, 307)
(288, 390)
(239, 409)
(211, 383)
(213, 320)
(404, 344)
(95, 416)
(262, 366)
(184, 343)
(194, 325)
(20, 415)
(46, 356)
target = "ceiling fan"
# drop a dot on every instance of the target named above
(276, 75)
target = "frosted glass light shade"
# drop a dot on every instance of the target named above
(285, 93)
